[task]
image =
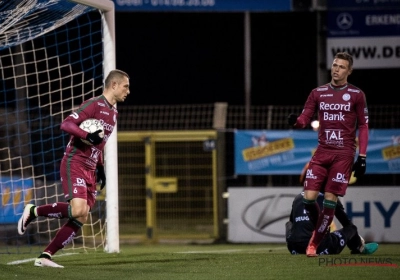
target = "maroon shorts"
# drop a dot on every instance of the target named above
(329, 172)
(78, 182)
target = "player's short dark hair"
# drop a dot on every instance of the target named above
(345, 56)
(114, 74)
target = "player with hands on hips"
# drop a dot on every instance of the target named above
(342, 109)
(79, 165)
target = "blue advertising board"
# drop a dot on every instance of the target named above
(358, 4)
(202, 5)
(365, 23)
(372, 37)
(259, 152)
(15, 193)
(285, 152)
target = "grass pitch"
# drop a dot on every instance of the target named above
(211, 261)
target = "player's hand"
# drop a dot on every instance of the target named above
(94, 137)
(101, 176)
(292, 119)
(360, 166)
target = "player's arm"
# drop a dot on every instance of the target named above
(305, 117)
(72, 122)
(362, 121)
(101, 175)
(360, 165)
(72, 128)
(289, 224)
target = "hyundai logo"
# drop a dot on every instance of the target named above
(269, 219)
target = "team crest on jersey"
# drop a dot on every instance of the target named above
(346, 97)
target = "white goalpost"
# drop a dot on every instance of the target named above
(54, 54)
(111, 151)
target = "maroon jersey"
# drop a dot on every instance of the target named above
(78, 152)
(339, 110)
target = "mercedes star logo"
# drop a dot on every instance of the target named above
(344, 21)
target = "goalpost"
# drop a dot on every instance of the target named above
(111, 153)
(54, 54)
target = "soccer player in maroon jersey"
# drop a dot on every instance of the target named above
(342, 109)
(78, 166)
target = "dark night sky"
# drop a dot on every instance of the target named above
(198, 58)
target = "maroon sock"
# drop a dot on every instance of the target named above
(64, 236)
(324, 221)
(57, 210)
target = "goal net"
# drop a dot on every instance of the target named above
(53, 56)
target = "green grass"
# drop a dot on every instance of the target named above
(211, 261)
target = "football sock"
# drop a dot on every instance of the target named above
(32, 211)
(45, 255)
(312, 208)
(64, 236)
(57, 210)
(324, 220)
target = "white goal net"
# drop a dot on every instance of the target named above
(53, 56)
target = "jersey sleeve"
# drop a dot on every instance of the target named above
(362, 120)
(72, 128)
(308, 112)
(72, 122)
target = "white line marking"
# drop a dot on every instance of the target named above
(30, 260)
(232, 250)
